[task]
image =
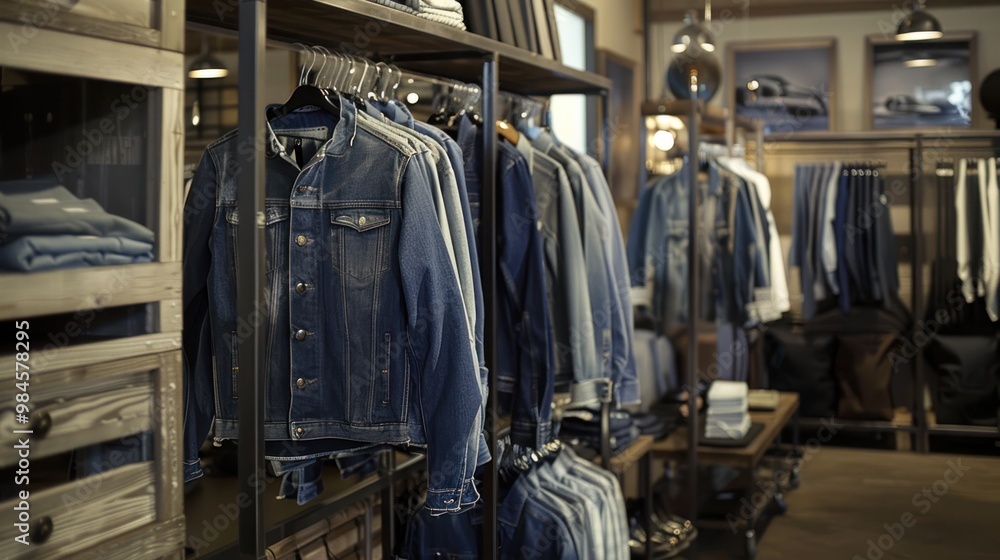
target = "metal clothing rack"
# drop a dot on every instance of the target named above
(917, 145)
(925, 143)
(416, 45)
(697, 114)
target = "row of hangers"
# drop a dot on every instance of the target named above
(515, 109)
(361, 80)
(516, 460)
(947, 168)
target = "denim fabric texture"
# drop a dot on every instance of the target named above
(658, 255)
(453, 537)
(350, 218)
(302, 480)
(623, 368)
(594, 232)
(453, 212)
(41, 207)
(526, 353)
(566, 277)
(586, 479)
(534, 524)
(48, 252)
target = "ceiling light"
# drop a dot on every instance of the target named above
(206, 66)
(919, 25)
(693, 32)
(922, 62)
(663, 140)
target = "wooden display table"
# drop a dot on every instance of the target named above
(676, 444)
(746, 459)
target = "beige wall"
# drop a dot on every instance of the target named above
(615, 26)
(850, 31)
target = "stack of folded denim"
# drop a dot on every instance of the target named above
(448, 12)
(583, 427)
(728, 406)
(650, 424)
(43, 226)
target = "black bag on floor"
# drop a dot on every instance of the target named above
(967, 369)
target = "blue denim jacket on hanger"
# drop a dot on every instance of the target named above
(349, 227)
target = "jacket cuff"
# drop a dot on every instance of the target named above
(192, 470)
(452, 500)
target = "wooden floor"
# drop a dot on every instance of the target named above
(848, 496)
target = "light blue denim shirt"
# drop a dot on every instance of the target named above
(623, 359)
(577, 360)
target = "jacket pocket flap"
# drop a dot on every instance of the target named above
(273, 214)
(360, 219)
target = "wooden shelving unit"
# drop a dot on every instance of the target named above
(105, 389)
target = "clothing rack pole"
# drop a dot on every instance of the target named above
(919, 257)
(759, 147)
(605, 132)
(694, 293)
(606, 427)
(388, 510)
(488, 268)
(251, 266)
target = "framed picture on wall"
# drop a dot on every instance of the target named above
(623, 121)
(787, 85)
(920, 84)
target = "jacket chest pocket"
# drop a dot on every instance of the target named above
(275, 235)
(360, 239)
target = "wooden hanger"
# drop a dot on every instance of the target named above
(509, 132)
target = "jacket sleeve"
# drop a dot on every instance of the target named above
(199, 217)
(440, 345)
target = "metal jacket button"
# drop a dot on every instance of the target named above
(300, 288)
(301, 334)
(362, 221)
(300, 240)
(299, 431)
(300, 383)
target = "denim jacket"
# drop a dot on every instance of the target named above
(362, 304)
(594, 232)
(525, 354)
(623, 370)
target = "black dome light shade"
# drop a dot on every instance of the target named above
(919, 25)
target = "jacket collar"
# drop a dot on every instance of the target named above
(344, 131)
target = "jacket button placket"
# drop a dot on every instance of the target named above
(306, 247)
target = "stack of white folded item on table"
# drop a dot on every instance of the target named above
(728, 405)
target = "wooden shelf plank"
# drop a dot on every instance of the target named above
(361, 27)
(104, 59)
(629, 456)
(80, 289)
(83, 355)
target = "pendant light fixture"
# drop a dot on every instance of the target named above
(694, 72)
(919, 25)
(207, 66)
(693, 33)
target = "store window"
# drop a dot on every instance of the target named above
(574, 117)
